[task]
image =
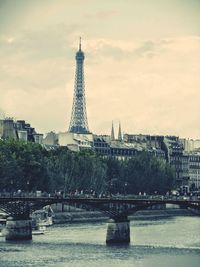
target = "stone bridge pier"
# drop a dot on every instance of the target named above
(18, 224)
(18, 228)
(118, 231)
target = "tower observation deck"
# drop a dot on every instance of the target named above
(78, 122)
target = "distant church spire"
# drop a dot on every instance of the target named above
(112, 133)
(120, 133)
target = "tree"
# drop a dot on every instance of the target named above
(28, 166)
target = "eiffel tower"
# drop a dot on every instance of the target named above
(78, 122)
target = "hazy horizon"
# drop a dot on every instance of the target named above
(142, 64)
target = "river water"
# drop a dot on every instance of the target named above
(154, 243)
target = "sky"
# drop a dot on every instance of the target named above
(142, 64)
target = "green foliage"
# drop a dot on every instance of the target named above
(22, 166)
(28, 166)
(145, 173)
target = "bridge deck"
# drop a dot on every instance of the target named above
(101, 200)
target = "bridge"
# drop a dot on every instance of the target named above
(19, 210)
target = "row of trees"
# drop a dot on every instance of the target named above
(30, 167)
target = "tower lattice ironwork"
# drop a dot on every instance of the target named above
(78, 122)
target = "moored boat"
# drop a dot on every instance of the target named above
(38, 230)
(43, 217)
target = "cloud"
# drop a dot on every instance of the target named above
(151, 85)
(37, 60)
(103, 15)
(153, 95)
(48, 43)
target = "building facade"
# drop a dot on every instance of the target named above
(19, 130)
(194, 171)
(174, 155)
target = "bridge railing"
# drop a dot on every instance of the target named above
(67, 196)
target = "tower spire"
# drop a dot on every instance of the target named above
(78, 122)
(112, 133)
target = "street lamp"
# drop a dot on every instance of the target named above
(125, 186)
(111, 188)
(28, 186)
(11, 183)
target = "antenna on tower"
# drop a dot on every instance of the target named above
(80, 43)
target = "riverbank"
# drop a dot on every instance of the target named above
(81, 216)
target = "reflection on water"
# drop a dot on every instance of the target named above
(168, 242)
